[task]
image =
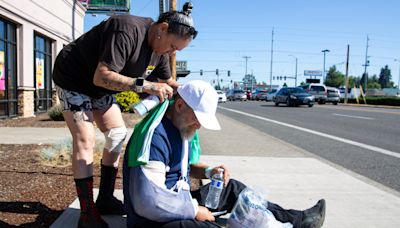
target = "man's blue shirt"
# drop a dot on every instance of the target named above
(167, 148)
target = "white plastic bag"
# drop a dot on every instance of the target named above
(251, 211)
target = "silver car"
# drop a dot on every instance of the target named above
(317, 90)
(271, 95)
(333, 95)
(236, 94)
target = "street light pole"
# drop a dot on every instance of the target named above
(398, 82)
(324, 74)
(245, 74)
(295, 72)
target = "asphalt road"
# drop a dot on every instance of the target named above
(364, 140)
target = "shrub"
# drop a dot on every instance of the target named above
(126, 99)
(389, 101)
(55, 113)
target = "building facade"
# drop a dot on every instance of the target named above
(32, 32)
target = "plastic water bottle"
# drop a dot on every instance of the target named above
(146, 104)
(214, 192)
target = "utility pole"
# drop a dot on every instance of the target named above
(161, 6)
(365, 66)
(295, 72)
(295, 76)
(245, 73)
(324, 74)
(172, 56)
(398, 83)
(346, 79)
(272, 55)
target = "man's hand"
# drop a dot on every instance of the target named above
(204, 214)
(227, 174)
(160, 89)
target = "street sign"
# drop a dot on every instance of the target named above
(312, 80)
(106, 6)
(181, 65)
(315, 73)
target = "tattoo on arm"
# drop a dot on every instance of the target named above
(111, 80)
(117, 82)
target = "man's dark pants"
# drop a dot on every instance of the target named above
(228, 199)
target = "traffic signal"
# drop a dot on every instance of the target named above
(201, 72)
(280, 77)
(216, 72)
(229, 73)
(273, 78)
(284, 78)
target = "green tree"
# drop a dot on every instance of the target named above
(284, 85)
(354, 81)
(384, 77)
(373, 82)
(334, 78)
(362, 80)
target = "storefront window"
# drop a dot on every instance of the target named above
(42, 74)
(8, 70)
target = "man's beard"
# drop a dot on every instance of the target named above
(187, 132)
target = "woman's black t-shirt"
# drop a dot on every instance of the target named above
(120, 43)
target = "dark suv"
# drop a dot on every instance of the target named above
(293, 96)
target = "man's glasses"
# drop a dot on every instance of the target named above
(191, 30)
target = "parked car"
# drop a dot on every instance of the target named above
(271, 94)
(221, 96)
(318, 91)
(236, 94)
(293, 96)
(333, 95)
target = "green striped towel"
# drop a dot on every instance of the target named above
(138, 148)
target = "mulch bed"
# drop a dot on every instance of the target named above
(33, 194)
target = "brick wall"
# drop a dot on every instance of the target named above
(26, 103)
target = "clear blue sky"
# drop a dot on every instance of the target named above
(229, 30)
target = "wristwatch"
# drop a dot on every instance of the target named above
(139, 85)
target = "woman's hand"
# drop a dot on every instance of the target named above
(160, 89)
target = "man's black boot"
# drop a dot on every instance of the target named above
(90, 217)
(315, 216)
(106, 202)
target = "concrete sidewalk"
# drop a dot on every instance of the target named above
(287, 174)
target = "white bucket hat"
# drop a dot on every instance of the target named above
(203, 99)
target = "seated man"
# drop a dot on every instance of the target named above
(158, 194)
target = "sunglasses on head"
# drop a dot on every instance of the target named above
(192, 31)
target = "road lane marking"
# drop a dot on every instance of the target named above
(351, 142)
(352, 108)
(350, 116)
